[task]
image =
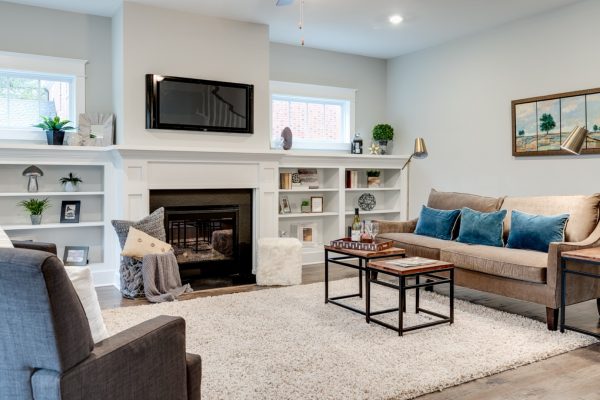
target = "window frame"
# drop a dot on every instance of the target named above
(322, 95)
(45, 67)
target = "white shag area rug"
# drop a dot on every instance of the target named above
(285, 343)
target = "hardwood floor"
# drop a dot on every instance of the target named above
(571, 376)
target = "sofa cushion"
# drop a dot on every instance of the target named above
(583, 212)
(524, 265)
(417, 245)
(536, 232)
(481, 228)
(456, 201)
(437, 223)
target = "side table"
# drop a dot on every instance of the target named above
(587, 256)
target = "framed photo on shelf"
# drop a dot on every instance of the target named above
(70, 211)
(306, 232)
(284, 205)
(316, 204)
(76, 255)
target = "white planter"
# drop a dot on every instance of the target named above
(69, 187)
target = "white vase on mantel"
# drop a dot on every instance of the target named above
(70, 187)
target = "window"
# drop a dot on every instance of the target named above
(34, 86)
(320, 117)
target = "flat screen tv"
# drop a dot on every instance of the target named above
(198, 105)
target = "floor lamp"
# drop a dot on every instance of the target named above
(420, 151)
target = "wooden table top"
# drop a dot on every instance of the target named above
(387, 266)
(591, 254)
(392, 251)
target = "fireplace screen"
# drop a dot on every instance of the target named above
(203, 234)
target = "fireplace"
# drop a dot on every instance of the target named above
(211, 234)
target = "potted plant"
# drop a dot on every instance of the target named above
(35, 208)
(70, 182)
(305, 206)
(373, 180)
(55, 129)
(382, 134)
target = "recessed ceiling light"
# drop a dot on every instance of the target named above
(396, 19)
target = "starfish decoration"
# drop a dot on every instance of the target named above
(374, 149)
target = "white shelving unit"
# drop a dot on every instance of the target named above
(339, 202)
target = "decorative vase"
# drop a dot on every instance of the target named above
(373, 181)
(385, 146)
(70, 187)
(36, 219)
(55, 138)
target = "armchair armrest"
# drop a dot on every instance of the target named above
(397, 226)
(147, 361)
(554, 260)
(194, 373)
(47, 247)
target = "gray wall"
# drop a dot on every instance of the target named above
(367, 75)
(34, 30)
(458, 97)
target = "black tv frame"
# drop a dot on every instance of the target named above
(153, 106)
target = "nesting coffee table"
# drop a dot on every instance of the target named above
(429, 271)
(364, 257)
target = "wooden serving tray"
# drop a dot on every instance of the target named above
(347, 243)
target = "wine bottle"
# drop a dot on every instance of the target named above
(355, 234)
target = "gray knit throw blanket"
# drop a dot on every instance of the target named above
(162, 281)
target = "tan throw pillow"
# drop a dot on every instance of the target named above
(138, 244)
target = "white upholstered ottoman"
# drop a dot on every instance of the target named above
(279, 262)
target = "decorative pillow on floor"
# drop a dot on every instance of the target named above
(81, 278)
(536, 232)
(481, 228)
(139, 244)
(5, 242)
(437, 223)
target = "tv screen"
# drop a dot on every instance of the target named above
(198, 105)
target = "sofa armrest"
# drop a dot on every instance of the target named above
(47, 247)
(147, 361)
(554, 260)
(397, 226)
(194, 376)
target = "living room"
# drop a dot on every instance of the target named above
(455, 110)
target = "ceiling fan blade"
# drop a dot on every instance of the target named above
(284, 2)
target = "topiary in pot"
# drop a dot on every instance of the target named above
(55, 129)
(373, 180)
(305, 206)
(382, 134)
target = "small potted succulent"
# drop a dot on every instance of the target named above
(70, 182)
(35, 208)
(305, 206)
(55, 129)
(373, 180)
(383, 134)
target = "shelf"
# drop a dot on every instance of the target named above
(307, 190)
(372, 189)
(374, 212)
(308, 215)
(27, 227)
(51, 194)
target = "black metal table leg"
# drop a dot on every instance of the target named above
(563, 300)
(326, 276)
(417, 290)
(368, 294)
(451, 296)
(360, 278)
(401, 305)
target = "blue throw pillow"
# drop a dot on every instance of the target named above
(437, 223)
(536, 232)
(481, 228)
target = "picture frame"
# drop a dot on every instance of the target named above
(541, 124)
(284, 205)
(101, 126)
(76, 255)
(306, 232)
(316, 204)
(70, 211)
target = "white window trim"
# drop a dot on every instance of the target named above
(44, 65)
(319, 92)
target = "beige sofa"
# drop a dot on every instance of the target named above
(521, 274)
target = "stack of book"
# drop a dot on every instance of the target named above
(285, 180)
(351, 179)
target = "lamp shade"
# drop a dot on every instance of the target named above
(574, 142)
(420, 148)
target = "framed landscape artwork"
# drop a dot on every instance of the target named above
(541, 124)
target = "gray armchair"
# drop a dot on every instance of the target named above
(47, 352)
